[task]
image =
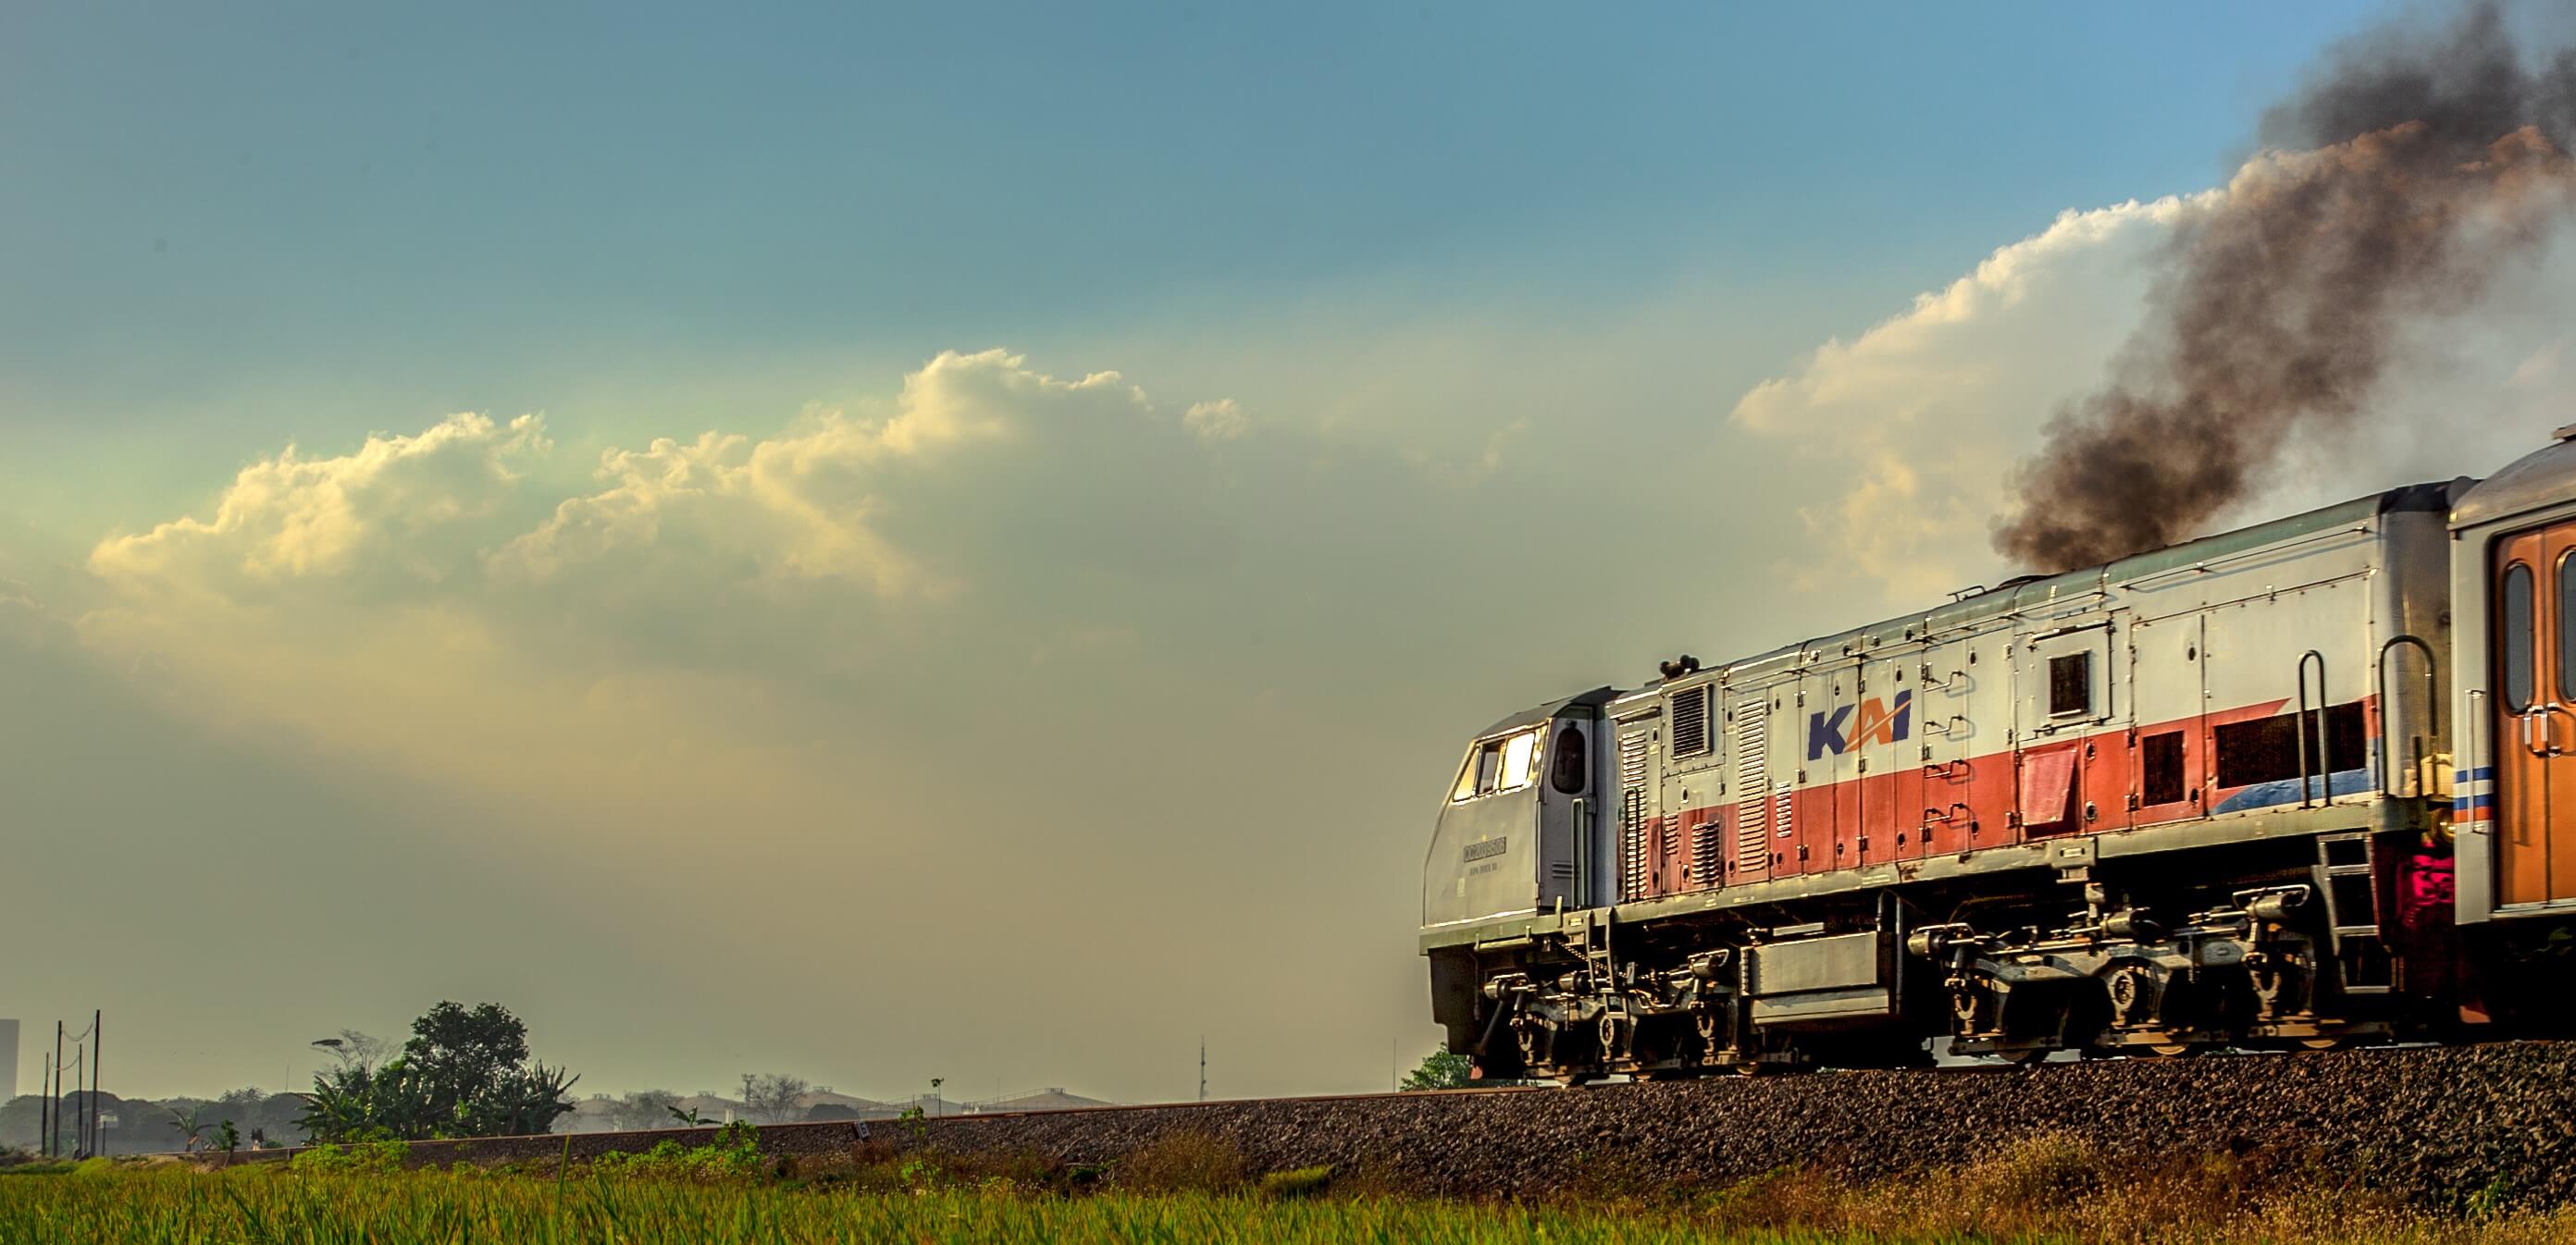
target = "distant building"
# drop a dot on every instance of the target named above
(823, 1105)
(1052, 1098)
(599, 1112)
(8, 1060)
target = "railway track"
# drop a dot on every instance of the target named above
(645, 1139)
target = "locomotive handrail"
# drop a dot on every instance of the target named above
(2302, 723)
(2432, 713)
(1583, 850)
(2207, 565)
(2476, 720)
(2098, 624)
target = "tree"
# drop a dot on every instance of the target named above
(773, 1097)
(355, 1049)
(190, 1127)
(643, 1109)
(1441, 1070)
(462, 1074)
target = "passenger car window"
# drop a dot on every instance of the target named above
(2516, 642)
(2566, 637)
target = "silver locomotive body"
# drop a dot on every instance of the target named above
(2244, 791)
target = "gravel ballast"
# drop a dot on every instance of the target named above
(2427, 1125)
(2432, 1126)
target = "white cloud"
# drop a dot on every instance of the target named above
(1968, 343)
(384, 509)
(1911, 428)
(2540, 368)
(885, 502)
(1221, 420)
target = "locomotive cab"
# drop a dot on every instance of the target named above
(1517, 828)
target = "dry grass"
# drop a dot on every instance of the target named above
(2056, 1187)
(1186, 1185)
(1181, 1162)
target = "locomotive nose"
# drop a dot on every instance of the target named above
(1510, 835)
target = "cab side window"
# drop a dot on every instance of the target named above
(1565, 766)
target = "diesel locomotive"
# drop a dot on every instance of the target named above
(2302, 785)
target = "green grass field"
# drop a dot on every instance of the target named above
(399, 1209)
(1190, 1190)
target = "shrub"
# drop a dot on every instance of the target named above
(1181, 1162)
(1297, 1181)
(364, 1156)
(734, 1152)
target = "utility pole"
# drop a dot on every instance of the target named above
(1203, 1067)
(80, 1113)
(97, 1133)
(45, 1108)
(54, 1132)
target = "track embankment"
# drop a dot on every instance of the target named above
(2428, 1125)
(2433, 1126)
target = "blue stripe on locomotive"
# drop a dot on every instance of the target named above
(2286, 791)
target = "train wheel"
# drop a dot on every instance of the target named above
(2324, 1043)
(2022, 1058)
(2173, 1050)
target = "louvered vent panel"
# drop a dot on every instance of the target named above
(1632, 814)
(1706, 840)
(1752, 809)
(1690, 721)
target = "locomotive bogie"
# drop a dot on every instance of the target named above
(2202, 797)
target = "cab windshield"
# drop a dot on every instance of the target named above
(1504, 763)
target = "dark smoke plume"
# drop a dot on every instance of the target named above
(2389, 191)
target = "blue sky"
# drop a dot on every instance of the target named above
(722, 497)
(487, 200)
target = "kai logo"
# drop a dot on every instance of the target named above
(1878, 723)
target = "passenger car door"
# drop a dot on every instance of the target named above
(2534, 586)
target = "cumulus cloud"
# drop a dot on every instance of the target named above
(1914, 423)
(1908, 434)
(1221, 420)
(978, 456)
(382, 510)
(1943, 348)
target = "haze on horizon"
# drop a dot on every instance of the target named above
(967, 542)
